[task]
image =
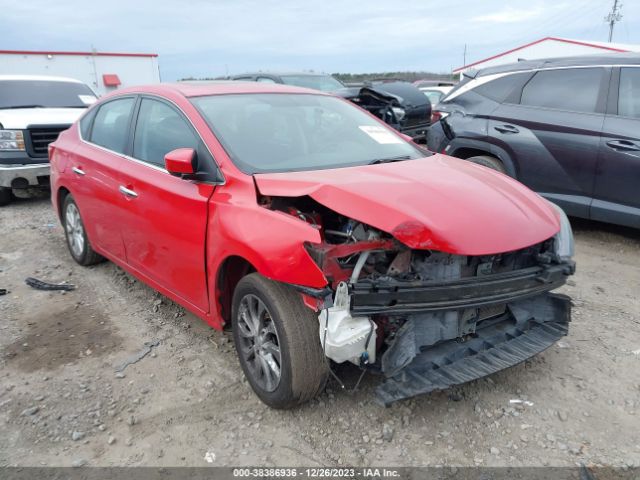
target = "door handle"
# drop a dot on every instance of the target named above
(507, 129)
(127, 192)
(78, 171)
(624, 145)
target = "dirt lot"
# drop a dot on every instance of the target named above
(61, 402)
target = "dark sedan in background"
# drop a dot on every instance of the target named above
(569, 128)
(398, 103)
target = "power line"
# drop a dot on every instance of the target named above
(564, 19)
(613, 17)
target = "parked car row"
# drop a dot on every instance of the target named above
(320, 234)
(317, 232)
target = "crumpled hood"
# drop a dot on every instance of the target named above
(351, 93)
(439, 202)
(21, 118)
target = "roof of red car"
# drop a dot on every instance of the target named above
(221, 87)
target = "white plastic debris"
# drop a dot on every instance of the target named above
(517, 401)
(210, 457)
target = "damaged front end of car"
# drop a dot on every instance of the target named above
(427, 320)
(399, 104)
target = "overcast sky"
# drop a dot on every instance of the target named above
(210, 38)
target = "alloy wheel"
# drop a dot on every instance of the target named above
(259, 342)
(75, 230)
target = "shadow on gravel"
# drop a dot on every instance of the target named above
(58, 336)
(602, 229)
(34, 195)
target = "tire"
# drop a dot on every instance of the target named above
(5, 196)
(76, 236)
(303, 368)
(490, 162)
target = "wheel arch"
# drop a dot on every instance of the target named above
(268, 242)
(229, 273)
(61, 194)
(471, 148)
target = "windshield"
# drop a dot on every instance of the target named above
(44, 94)
(289, 132)
(324, 83)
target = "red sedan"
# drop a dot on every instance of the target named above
(317, 233)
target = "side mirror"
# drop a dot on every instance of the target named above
(180, 161)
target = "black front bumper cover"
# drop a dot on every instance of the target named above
(459, 330)
(526, 329)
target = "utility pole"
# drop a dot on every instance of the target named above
(95, 69)
(613, 17)
(464, 55)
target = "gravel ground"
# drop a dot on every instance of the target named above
(62, 403)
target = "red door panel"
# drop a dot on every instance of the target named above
(94, 176)
(94, 171)
(164, 228)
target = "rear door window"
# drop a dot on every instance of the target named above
(629, 93)
(111, 125)
(159, 130)
(572, 89)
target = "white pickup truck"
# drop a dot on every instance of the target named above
(33, 111)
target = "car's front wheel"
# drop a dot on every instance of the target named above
(489, 162)
(277, 341)
(76, 235)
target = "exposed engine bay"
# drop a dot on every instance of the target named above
(424, 319)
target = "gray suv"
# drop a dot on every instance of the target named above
(569, 128)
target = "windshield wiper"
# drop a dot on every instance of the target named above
(25, 106)
(399, 158)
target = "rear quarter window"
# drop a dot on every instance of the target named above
(85, 123)
(504, 89)
(474, 92)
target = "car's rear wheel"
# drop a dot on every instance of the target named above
(76, 235)
(277, 341)
(488, 161)
(5, 196)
